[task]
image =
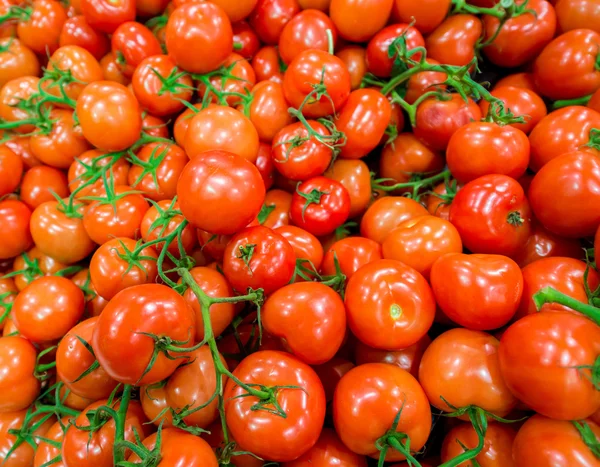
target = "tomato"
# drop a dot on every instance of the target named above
(268, 110)
(112, 270)
(47, 308)
(240, 79)
(419, 242)
(258, 258)
(437, 120)
(424, 81)
(150, 7)
(563, 274)
(328, 450)
(368, 399)
(59, 235)
(154, 126)
(39, 182)
(521, 102)
(320, 205)
(23, 454)
(204, 28)
(147, 83)
(359, 20)
(220, 192)
(20, 387)
(16, 60)
(563, 195)
(307, 31)
(34, 264)
(109, 115)
(562, 131)
(354, 175)
(408, 359)
(425, 16)
(545, 442)
(389, 305)
(150, 308)
(11, 170)
(453, 41)
(267, 66)
(521, 38)
(406, 155)
(352, 253)
(220, 128)
(306, 246)
(492, 215)
(189, 388)
(246, 36)
(267, 434)
(107, 15)
(309, 317)
(544, 244)
(518, 80)
(112, 71)
(156, 170)
(270, 17)
(11, 94)
(497, 450)
(462, 366)
(215, 285)
(180, 448)
(363, 120)
(85, 168)
(182, 123)
(387, 213)
(354, 57)
(94, 302)
(87, 448)
(566, 68)
(379, 61)
(47, 451)
(216, 440)
(577, 14)
(40, 28)
(541, 358)
(77, 31)
(15, 217)
(131, 43)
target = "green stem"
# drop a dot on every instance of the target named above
(119, 452)
(551, 295)
(568, 102)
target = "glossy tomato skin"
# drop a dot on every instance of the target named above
(492, 215)
(23, 453)
(577, 14)
(268, 110)
(77, 31)
(305, 31)
(389, 305)
(358, 20)
(47, 451)
(462, 366)
(363, 119)
(329, 450)
(522, 38)
(480, 292)
(351, 253)
(151, 231)
(354, 57)
(132, 42)
(387, 213)
(203, 27)
(47, 308)
(305, 245)
(543, 441)
(566, 68)
(539, 359)
(544, 244)
(80, 179)
(270, 17)
(354, 175)
(266, 434)
(16, 60)
(378, 60)
(106, 15)
(246, 36)
(323, 213)
(383, 384)
(47, 266)
(19, 387)
(564, 130)
(453, 41)
(485, 148)
(151, 308)
(15, 216)
(218, 184)
(269, 265)
(310, 318)
(562, 206)
(40, 29)
(11, 170)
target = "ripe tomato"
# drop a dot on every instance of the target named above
(47, 308)
(43, 265)
(306, 246)
(387, 213)
(453, 41)
(267, 434)
(11, 170)
(18, 384)
(462, 366)
(544, 244)
(204, 28)
(246, 36)
(23, 454)
(352, 253)
(124, 353)
(354, 175)
(563, 195)
(426, 16)
(320, 205)
(545, 360)
(85, 168)
(112, 71)
(306, 31)
(270, 17)
(220, 192)
(131, 43)
(310, 319)
(354, 57)
(268, 110)
(94, 302)
(16, 60)
(566, 68)
(77, 31)
(47, 451)
(107, 15)
(518, 80)
(492, 215)
(260, 258)
(379, 60)
(40, 28)
(39, 182)
(109, 115)
(239, 80)
(359, 20)
(389, 305)
(366, 402)
(577, 14)
(484, 148)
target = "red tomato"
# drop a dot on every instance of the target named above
(220, 192)
(40, 28)
(480, 292)
(354, 175)
(541, 358)
(577, 14)
(518, 80)
(544, 244)
(112, 71)
(267, 65)
(85, 168)
(267, 434)
(426, 16)
(306, 31)
(239, 80)
(331, 372)
(34, 264)
(379, 61)
(354, 57)
(18, 384)
(131, 43)
(453, 41)
(77, 31)
(306, 246)
(367, 400)
(15, 217)
(270, 17)
(107, 15)
(16, 60)
(352, 253)
(47, 451)
(359, 20)
(387, 213)
(245, 36)
(11, 170)
(268, 110)
(492, 215)
(21, 454)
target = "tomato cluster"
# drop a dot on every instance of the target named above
(300, 233)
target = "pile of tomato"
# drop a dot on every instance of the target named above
(305, 233)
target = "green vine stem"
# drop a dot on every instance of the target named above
(551, 295)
